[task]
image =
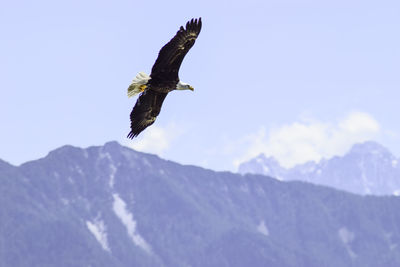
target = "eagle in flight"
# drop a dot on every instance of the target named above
(163, 78)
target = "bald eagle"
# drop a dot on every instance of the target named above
(163, 78)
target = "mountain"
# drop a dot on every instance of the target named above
(368, 168)
(113, 206)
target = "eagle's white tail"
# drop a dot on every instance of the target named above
(138, 84)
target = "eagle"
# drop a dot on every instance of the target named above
(163, 78)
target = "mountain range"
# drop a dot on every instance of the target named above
(368, 168)
(113, 206)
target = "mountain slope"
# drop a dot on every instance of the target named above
(112, 206)
(368, 168)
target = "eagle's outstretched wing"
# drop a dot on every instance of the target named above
(171, 55)
(145, 111)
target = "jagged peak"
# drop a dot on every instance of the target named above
(111, 150)
(261, 158)
(370, 147)
(112, 144)
(64, 149)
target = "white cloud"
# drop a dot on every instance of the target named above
(397, 193)
(156, 139)
(310, 139)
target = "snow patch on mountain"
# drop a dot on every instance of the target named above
(347, 237)
(113, 171)
(70, 180)
(98, 229)
(262, 228)
(389, 239)
(112, 167)
(119, 207)
(79, 170)
(244, 188)
(65, 201)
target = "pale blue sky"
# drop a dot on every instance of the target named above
(295, 79)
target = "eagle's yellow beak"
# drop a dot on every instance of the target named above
(191, 88)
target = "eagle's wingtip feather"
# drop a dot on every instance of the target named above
(131, 135)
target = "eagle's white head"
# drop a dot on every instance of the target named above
(183, 86)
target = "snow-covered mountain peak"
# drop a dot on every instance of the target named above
(368, 168)
(370, 148)
(263, 165)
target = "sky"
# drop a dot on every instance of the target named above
(298, 80)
